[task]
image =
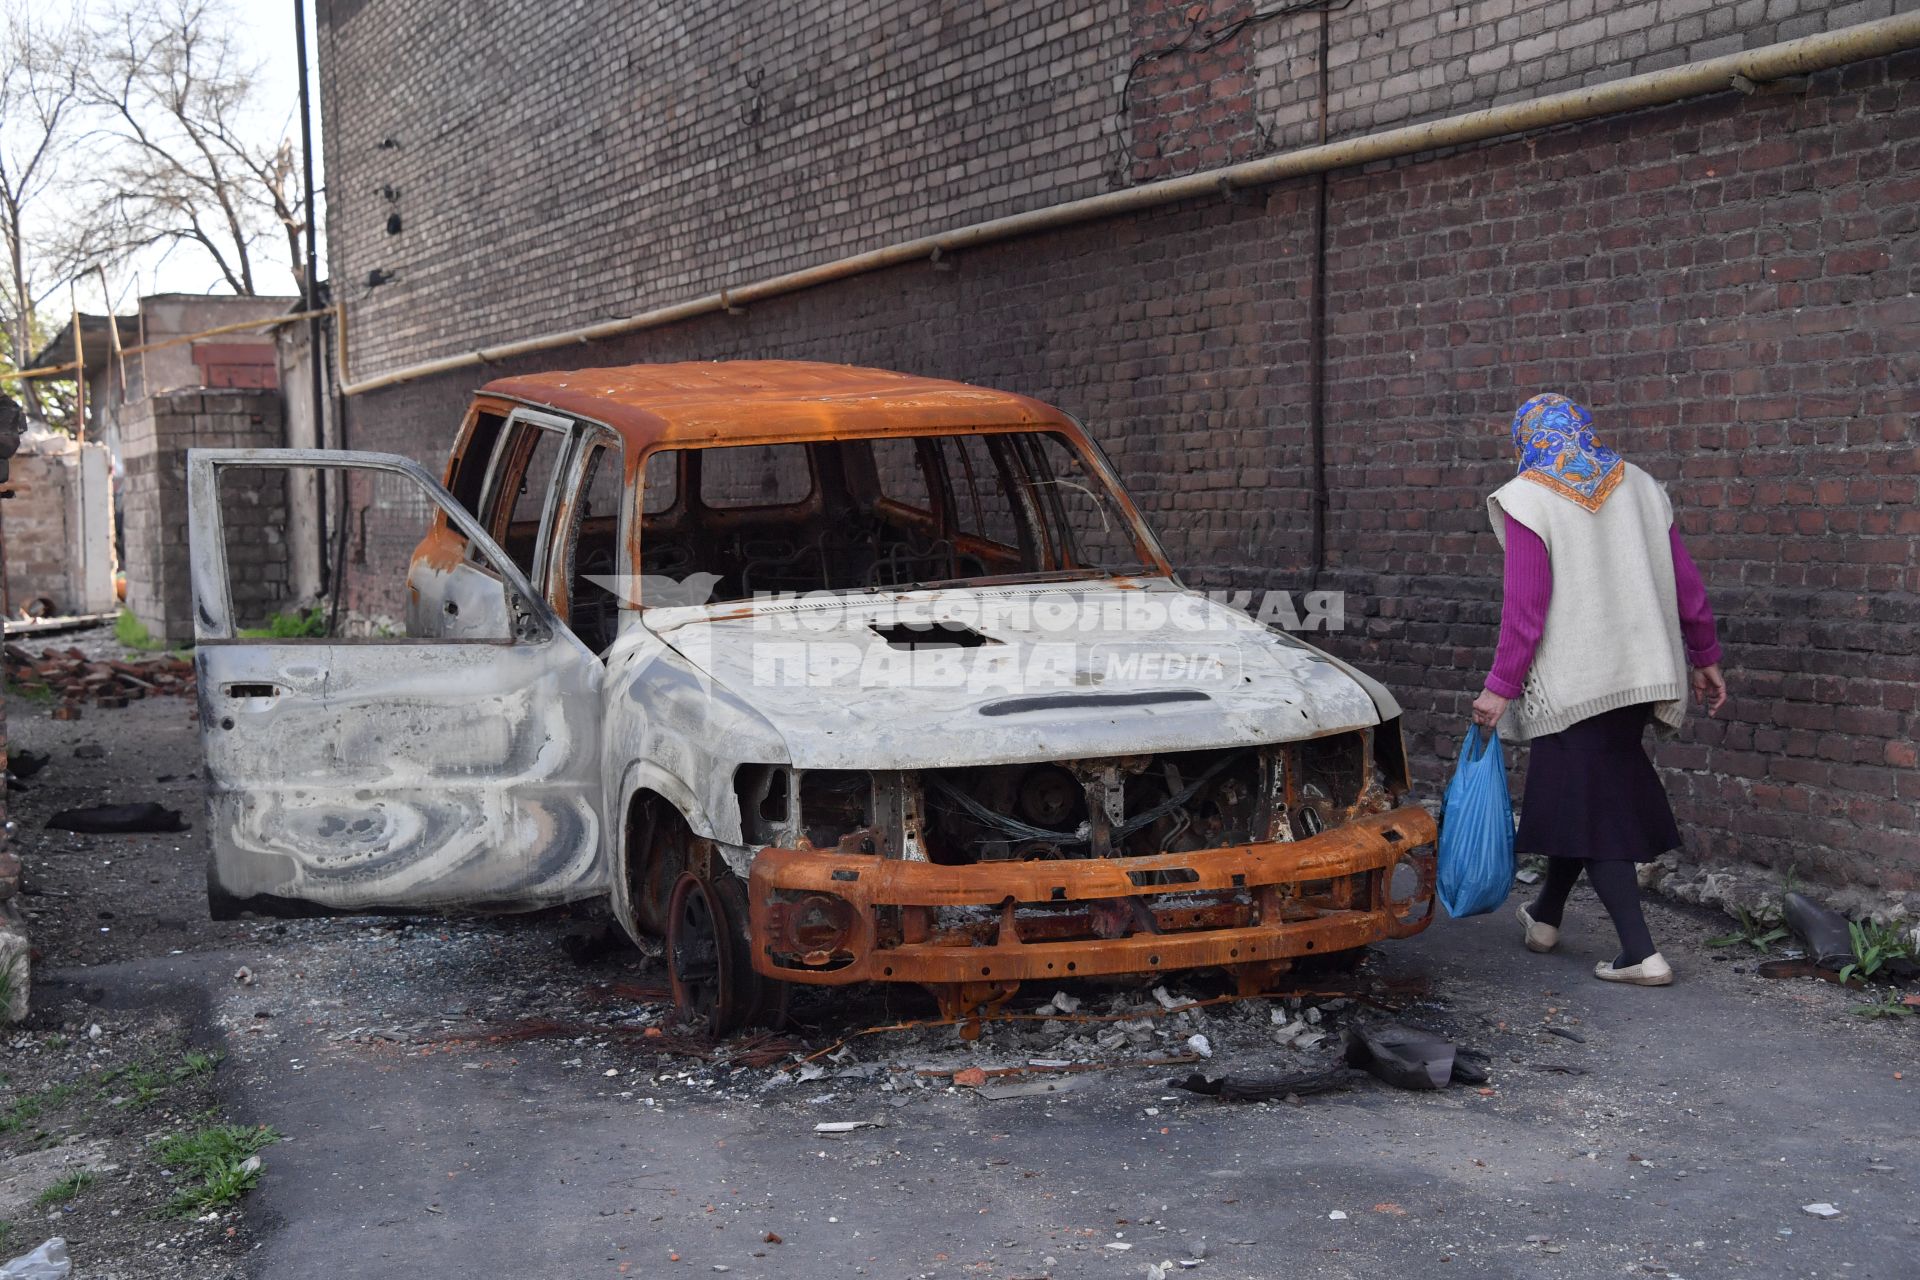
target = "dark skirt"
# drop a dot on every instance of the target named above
(1592, 792)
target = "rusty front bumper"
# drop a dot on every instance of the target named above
(824, 917)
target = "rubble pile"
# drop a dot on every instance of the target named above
(76, 679)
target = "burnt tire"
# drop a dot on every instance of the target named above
(710, 962)
(659, 840)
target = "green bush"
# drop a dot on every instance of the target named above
(300, 625)
(133, 633)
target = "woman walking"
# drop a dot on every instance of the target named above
(1602, 618)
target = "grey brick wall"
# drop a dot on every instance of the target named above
(1393, 62)
(551, 163)
(557, 163)
(155, 436)
(40, 556)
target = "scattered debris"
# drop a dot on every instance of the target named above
(1824, 930)
(1402, 1056)
(1296, 1033)
(1338, 1215)
(1567, 1033)
(1266, 1088)
(145, 817)
(847, 1126)
(971, 1078)
(77, 679)
(1199, 1044)
(1820, 1210)
(48, 1262)
(1803, 968)
(23, 763)
(1470, 1066)
(1001, 1090)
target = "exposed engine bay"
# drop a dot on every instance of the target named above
(1121, 806)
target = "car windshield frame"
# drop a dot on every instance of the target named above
(1147, 560)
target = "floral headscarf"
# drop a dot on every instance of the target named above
(1553, 440)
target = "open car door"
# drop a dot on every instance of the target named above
(373, 770)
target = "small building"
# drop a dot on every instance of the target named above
(186, 371)
(59, 521)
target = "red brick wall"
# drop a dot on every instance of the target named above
(1190, 86)
(1730, 283)
(1731, 287)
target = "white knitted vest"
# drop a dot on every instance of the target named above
(1613, 628)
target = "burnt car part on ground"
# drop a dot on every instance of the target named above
(564, 698)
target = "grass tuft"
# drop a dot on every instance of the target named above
(30, 692)
(1888, 1007)
(24, 1111)
(66, 1189)
(142, 1086)
(133, 633)
(1757, 932)
(195, 1063)
(216, 1154)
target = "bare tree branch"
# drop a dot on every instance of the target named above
(40, 102)
(173, 96)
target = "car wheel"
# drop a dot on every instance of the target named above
(709, 964)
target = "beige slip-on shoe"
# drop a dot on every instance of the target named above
(1540, 937)
(1654, 971)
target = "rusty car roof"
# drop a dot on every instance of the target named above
(749, 401)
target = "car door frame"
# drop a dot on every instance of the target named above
(569, 431)
(580, 873)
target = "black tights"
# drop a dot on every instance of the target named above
(1616, 884)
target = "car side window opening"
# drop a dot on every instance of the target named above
(518, 486)
(449, 591)
(879, 513)
(660, 483)
(585, 583)
(467, 478)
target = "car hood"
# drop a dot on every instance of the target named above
(1023, 673)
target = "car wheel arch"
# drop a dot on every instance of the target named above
(647, 795)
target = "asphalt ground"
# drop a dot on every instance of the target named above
(502, 1098)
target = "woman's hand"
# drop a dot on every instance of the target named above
(1490, 706)
(1709, 688)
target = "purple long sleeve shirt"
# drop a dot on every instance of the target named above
(1529, 589)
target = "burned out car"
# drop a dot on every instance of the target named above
(823, 674)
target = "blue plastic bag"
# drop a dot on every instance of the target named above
(1476, 829)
